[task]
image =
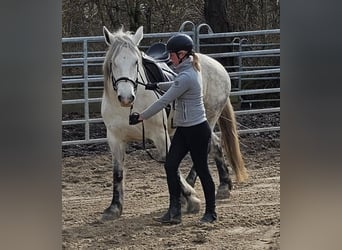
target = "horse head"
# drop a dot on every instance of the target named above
(121, 65)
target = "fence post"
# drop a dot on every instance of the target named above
(85, 86)
(194, 36)
(243, 40)
(210, 31)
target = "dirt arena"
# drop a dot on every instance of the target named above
(249, 219)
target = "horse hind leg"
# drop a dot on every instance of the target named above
(190, 203)
(225, 186)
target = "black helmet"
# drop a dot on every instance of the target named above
(180, 42)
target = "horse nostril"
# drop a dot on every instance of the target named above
(126, 100)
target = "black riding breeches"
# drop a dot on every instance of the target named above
(196, 140)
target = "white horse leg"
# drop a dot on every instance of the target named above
(192, 176)
(162, 142)
(114, 211)
(190, 203)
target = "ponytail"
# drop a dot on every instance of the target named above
(195, 62)
(195, 59)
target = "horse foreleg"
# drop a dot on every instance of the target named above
(190, 203)
(114, 211)
(192, 176)
(223, 191)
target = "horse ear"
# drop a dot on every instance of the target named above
(107, 35)
(138, 36)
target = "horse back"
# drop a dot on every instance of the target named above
(216, 86)
(214, 76)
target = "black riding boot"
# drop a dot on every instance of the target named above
(173, 214)
(209, 217)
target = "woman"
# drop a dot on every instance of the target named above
(192, 134)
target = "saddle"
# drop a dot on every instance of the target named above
(156, 61)
(158, 52)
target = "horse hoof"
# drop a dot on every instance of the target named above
(223, 192)
(194, 205)
(111, 214)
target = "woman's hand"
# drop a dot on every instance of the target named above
(151, 86)
(134, 118)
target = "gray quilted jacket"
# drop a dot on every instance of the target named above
(186, 91)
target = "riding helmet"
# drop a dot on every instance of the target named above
(180, 42)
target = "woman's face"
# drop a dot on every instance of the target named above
(174, 59)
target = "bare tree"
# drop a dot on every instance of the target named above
(134, 14)
(216, 16)
(216, 13)
(86, 17)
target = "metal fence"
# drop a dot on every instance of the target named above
(254, 70)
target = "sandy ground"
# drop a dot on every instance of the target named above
(249, 219)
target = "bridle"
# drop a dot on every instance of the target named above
(135, 82)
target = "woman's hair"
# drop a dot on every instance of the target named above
(195, 62)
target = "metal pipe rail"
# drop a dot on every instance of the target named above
(246, 53)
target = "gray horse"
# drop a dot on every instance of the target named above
(123, 70)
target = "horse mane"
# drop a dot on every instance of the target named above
(121, 38)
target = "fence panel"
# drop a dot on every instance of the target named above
(253, 64)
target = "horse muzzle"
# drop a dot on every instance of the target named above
(126, 101)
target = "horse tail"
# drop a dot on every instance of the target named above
(230, 139)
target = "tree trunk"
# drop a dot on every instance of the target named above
(134, 14)
(216, 16)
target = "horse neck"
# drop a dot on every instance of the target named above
(142, 77)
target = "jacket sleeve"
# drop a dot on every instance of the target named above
(165, 85)
(178, 87)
